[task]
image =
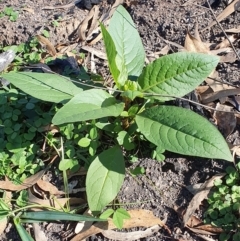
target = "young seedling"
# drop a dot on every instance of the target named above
(9, 11)
(133, 115)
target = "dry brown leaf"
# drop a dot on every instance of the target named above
(221, 51)
(228, 58)
(139, 218)
(63, 48)
(51, 50)
(193, 44)
(209, 228)
(197, 226)
(205, 237)
(7, 196)
(202, 231)
(39, 234)
(48, 187)
(219, 94)
(151, 57)
(233, 30)
(163, 51)
(84, 30)
(129, 236)
(95, 52)
(81, 172)
(30, 10)
(225, 43)
(3, 224)
(95, 40)
(226, 122)
(50, 128)
(199, 197)
(215, 86)
(226, 12)
(57, 203)
(94, 29)
(65, 31)
(202, 92)
(30, 181)
(234, 149)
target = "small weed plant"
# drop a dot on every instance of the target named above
(26, 53)
(9, 11)
(224, 205)
(106, 126)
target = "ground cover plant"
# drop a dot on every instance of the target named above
(9, 11)
(109, 124)
(223, 210)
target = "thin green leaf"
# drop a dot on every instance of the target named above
(104, 178)
(130, 51)
(176, 74)
(47, 87)
(111, 53)
(182, 131)
(57, 215)
(22, 231)
(88, 105)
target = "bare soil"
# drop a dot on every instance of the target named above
(158, 21)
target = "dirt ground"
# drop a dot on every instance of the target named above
(158, 21)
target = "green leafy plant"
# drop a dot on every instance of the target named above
(224, 204)
(21, 117)
(26, 53)
(55, 22)
(9, 11)
(131, 116)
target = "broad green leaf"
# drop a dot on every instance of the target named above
(111, 53)
(176, 74)
(104, 178)
(56, 215)
(130, 51)
(183, 131)
(48, 87)
(88, 105)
